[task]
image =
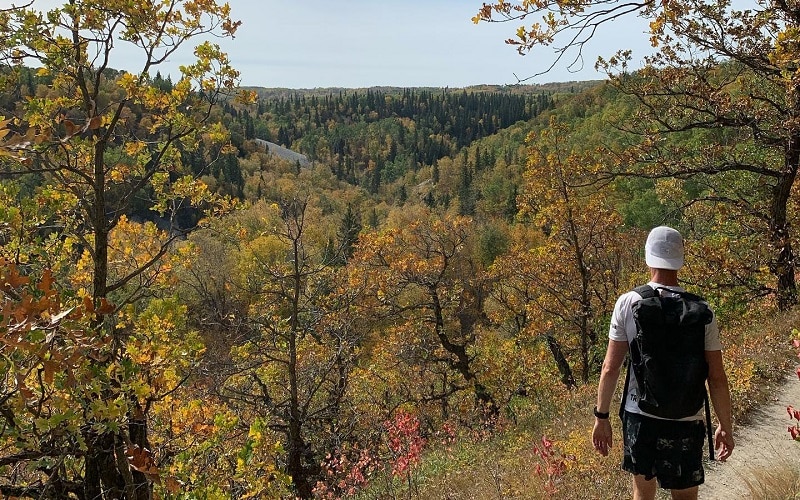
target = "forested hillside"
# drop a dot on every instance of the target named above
(419, 312)
(372, 137)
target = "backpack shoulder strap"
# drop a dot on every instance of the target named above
(646, 291)
(624, 397)
(709, 430)
(684, 294)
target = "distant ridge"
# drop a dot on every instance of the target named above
(282, 152)
(556, 87)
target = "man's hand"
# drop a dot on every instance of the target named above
(723, 443)
(601, 436)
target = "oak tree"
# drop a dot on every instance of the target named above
(429, 290)
(563, 284)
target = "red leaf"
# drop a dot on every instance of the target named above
(95, 123)
(141, 460)
(50, 368)
(46, 283)
(87, 304)
(71, 128)
(173, 485)
(14, 280)
(106, 307)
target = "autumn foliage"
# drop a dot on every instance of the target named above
(185, 316)
(49, 384)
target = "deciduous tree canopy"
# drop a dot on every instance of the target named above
(718, 104)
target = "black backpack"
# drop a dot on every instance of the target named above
(668, 353)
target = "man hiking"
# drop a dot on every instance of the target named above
(659, 450)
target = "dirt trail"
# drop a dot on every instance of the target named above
(763, 444)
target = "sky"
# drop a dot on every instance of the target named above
(403, 43)
(409, 43)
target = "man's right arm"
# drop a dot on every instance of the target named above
(721, 399)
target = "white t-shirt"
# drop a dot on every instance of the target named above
(623, 328)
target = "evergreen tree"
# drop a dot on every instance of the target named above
(373, 221)
(348, 232)
(466, 196)
(402, 195)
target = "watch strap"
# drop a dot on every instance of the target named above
(600, 415)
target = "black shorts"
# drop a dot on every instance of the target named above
(668, 450)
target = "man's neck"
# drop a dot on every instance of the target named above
(666, 277)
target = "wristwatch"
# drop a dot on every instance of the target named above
(600, 415)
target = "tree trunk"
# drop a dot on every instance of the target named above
(103, 474)
(296, 452)
(297, 445)
(462, 361)
(567, 378)
(102, 479)
(586, 332)
(782, 266)
(137, 428)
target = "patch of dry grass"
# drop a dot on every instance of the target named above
(777, 483)
(506, 466)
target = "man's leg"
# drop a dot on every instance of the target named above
(685, 494)
(644, 489)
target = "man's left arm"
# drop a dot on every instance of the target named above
(612, 364)
(721, 399)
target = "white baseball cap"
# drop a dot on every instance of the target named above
(664, 249)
